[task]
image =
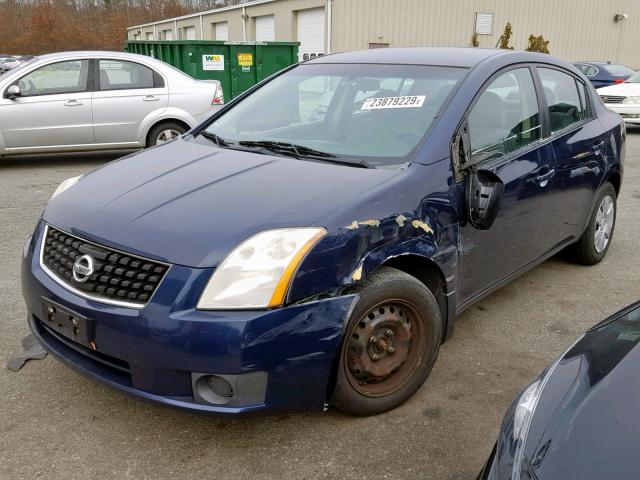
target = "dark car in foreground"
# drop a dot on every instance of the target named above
(604, 74)
(282, 256)
(579, 418)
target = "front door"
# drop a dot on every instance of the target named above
(505, 132)
(53, 110)
(126, 93)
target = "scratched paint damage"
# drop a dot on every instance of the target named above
(423, 225)
(366, 223)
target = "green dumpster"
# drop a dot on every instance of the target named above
(237, 65)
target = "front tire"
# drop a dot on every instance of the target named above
(391, 343)
(594, 243)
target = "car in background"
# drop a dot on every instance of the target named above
(602, 74)
(75, 101)
(285, 257)
(579, 418)
(624, 98)
(8, 62)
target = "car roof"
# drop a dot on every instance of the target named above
(91, 53)
(438, 56)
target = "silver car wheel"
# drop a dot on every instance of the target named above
(604, 224)
(167, 135)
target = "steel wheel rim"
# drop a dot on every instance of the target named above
(605, 217)
(392, 332)
(167, 135)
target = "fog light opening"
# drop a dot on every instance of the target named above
(214, 389)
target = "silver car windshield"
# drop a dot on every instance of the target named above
(376, 113)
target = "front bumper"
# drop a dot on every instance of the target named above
(151, 353)
(630, 113)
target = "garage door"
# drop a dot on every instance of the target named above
(189, 33)
(310, 28)
(265, 28)
(221, 31)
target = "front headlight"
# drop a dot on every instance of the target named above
(65, 185)
(632, 100)
(257, 273)
(525, 409)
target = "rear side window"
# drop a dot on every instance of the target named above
(121, 75)
(563, 99)
(584, 100)
(505, 118)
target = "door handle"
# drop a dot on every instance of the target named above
(72, 103)
(150, 98)
(543, 179)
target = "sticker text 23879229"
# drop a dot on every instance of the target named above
(406, 101)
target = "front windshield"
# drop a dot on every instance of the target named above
(22, 66)
(375, 113)
(635, 78)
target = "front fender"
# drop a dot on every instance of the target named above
(353, 252)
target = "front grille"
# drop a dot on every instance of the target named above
(117, 277)
(612, 98)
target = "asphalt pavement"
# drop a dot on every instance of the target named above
(56, 424)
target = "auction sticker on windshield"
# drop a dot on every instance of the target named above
(405, 101)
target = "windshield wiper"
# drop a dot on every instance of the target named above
(300, 151)
(215, 139)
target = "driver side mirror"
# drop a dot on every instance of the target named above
(12, 92)
(484, 195)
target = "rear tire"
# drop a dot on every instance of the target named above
(165, 132)
(594, 243)
(390, 346)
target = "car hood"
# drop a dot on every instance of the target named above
(190, 204)
(622, 90)
(587, 423)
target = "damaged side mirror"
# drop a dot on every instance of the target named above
(484, 195)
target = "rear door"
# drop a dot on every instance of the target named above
(53, 111)
(578, 144)
(125, 94)
(506, 143)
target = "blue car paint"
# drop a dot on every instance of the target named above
(189, 204)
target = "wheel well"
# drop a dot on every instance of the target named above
(429, 274)
(166, 120)
(615, 180)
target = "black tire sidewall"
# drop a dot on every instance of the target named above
(396, 285)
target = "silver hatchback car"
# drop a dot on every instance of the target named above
(77, 101)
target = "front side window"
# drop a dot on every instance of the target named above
(121, 75)
(56, 78)
(505, 117)
(563, 100)
(377, 113)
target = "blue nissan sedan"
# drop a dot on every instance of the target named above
(312, 242)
